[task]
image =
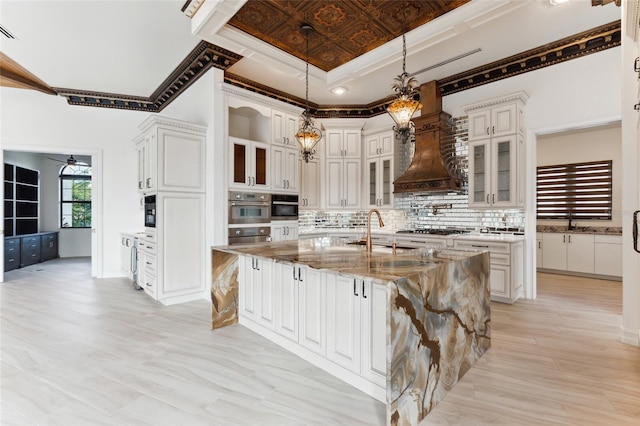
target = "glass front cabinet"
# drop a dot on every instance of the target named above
(492, 172)
(379, 182)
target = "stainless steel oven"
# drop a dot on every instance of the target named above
(284, 207)
(249, 235)
(249, 207)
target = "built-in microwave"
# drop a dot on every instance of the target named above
(249, 207)
(284, 207)
(150, 211)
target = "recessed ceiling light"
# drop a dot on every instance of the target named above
(339, 90)
(557, 2)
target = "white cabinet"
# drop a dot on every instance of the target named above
(496, 121)
(284, 127)
(249, 164)
(286, 300)
(379, 182)
(356, 326)
(379, 144)
(608, 255)
(343, 143)
(147, 263)
(496, 152)
(284, 230)
(310, 184)
(171, 155)
(506, 279)
(493, 172)
(343, 183)
(311, 309)
(256, 294)
(568, 252)
(285, 169)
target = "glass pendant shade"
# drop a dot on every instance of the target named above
(308, 137)
(402, 110)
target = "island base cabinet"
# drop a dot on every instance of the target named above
(256, 295)
(286, 297)
(311, 309)
(357, 326)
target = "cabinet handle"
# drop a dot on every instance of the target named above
(569, 239)
(139, 184)
(564, 238)
(487, 198)
(148, 285)
(148, 182)
(355, 291)
(539, 244)
(363, 295)
(294, 274)
(148, 263)
(493, 129)
(494, 199)
(479, 245)
(299, 275)
(487, 130)
(257, 265)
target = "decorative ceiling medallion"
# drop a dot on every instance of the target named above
(363, 38)
(330, 15)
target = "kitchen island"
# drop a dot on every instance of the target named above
(402, 325)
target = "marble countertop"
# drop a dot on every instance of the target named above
(599, 230)
(476, 236)
(327, 253)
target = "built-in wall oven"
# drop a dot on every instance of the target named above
(150, 211)
(249, 207)
(249, 235)
(284, 207)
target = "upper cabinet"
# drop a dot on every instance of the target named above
(284, 127)
(496, 152)
(310, 183)
(343, 143)
(285, 169)
(171, 155)
(249, 164)
(378, 171)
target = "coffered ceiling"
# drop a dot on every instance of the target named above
(342, 30)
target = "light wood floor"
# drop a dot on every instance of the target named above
(76, 351)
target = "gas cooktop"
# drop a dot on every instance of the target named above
(433, 231)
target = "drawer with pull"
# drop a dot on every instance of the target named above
(150, 265)
(486, 245)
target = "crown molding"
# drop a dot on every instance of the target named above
(517, 96)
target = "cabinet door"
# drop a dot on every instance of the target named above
(311, 310)
(608, 258)
(351, 183)
(260, 165)
(291, 128)
(372, 145)
(263, 282)
(386, 143)
(240, 162)
(503, 176)
(286, 303)
(371, 183)
(479, 173)
(343, 321)
(278, 126)
(141, 149)
(386, 182)
(499, 281)
(554, 255)
(352, 142)
(246, 288)
(374, 333)
(479, 125)
(504, 120)
(310, 184)
(150, 163)
(279, 167)
(333, 190)
(181, 159)
(292, 176)
(334, 144)
(580, 253)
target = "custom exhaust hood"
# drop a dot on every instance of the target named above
(428, 171)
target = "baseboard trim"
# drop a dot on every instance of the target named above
(580, 274)
(630, 336)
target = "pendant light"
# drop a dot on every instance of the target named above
(403, 105)
(308, 135)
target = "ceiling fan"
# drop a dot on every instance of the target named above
(70, 161)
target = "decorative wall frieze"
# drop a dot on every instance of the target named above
(576, 46)
(203, 57)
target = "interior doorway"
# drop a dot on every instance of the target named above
(80, 241)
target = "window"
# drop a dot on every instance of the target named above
(575, 191)
(75, 196)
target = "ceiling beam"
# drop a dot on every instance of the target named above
(12, 74)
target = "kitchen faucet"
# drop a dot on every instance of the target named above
(571, 227)
(380, 223)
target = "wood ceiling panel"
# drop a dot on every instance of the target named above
(343, 29)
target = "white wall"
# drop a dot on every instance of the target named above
(590, 144)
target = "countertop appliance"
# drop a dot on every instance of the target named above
(249, 207)
(249, 235)
(150, 211)
(284, 207)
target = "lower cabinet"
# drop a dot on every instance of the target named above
(284, 230)
(341, 321)
(507, 267)
(27, 250)
(568, 252)
(357, 326)
(608, 255)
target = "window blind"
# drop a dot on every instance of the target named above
(578, 191)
